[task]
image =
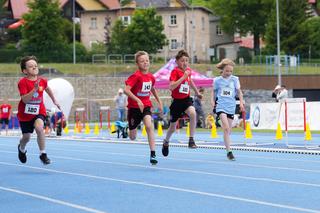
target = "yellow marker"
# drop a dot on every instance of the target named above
(248, 131)
(214, 133)
(160, 132)
(279, 132)
(308, 136)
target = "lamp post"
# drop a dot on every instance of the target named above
(74, 30)
(278, 44)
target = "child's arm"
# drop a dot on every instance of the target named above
(242, 109)
(127, 91)
(193, 86)
(155, 94)
(50, 93)
(175, 84)
(27, 97)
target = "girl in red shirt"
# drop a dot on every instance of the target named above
(180, 83)
(31, 109)
(138, 88)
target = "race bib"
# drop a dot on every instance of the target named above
(226, 92)
(5, 110)
(146, 86)
(184, 88)
(32, 109)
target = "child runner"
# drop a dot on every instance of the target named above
(31, 109)
(5, 114)
(138, 88)
(180, 83)
(225, 88)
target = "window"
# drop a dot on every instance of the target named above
(202, 23)
(93, 23)
(218, 30)
(173, 20)
(126, 20)
(173, 44)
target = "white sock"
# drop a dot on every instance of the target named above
(42, 151)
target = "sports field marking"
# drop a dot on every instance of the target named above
(192, 160)
(60, 202)
(259, 202)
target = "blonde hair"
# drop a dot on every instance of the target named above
(224, 63)
(138, 54)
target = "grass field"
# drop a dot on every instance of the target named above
(102, 69)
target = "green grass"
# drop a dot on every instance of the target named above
(101, 69)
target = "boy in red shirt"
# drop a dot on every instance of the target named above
(5, 114)
(138, 88)
(180, 83)
(31, 109)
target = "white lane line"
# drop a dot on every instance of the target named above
(259, 202)
(192, 171)
(234, 164)
(60, 202)
(183, 152)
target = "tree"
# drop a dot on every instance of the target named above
(144, 33)
(243, 16)
(43, 33)
(292, 13)
(309, 33)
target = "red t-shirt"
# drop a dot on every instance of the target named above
(5, 110)
(27, 112)
(141, 85)
(183, 90)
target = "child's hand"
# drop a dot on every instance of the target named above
(141, 106)
(36, 85)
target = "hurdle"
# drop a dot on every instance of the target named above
(295, 101)
(102, 110)
(77, 117)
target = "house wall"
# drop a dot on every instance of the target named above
(183, 31)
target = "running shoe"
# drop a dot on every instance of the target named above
(230, 156)
(44, 158)
(165, 148)
(22, 155)
(192, 144)
(153, 160)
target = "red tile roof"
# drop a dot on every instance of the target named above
(19, 7)
(111, 4)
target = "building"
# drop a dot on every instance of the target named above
(186, 27)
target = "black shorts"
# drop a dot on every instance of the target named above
(135, 116)
(231, 116)
(178, 108)
(28, 126)
(4, 120)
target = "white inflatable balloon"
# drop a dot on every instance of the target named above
(63, 92)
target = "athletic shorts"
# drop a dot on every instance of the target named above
(4, 120)
(135, 116)
(28, 126)
(231, 116)
(178, 108)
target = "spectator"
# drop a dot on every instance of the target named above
(197, 103)
(5, 114)
(280, 93)
(121, 104)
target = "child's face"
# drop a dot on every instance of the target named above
(183, 62)
(227, 71)
(31, 68)
(143, 63)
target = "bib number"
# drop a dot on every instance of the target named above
(226, 92)
(184, 88)
(32, 109)
(5, 110)
(146, 86)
